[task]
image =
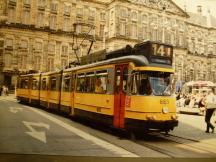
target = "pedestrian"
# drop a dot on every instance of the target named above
(6, 91)
(201, 104)
(210, 108)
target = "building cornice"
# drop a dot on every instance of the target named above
(44, 29)
(212, 28)
(208, 56)
(180, 48)
(184, 14)
(197, 25)
(122, 39)
(97, 1)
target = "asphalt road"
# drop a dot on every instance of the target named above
(33, 131)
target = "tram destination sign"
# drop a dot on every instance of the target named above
(161, 53)
(161, 50)
(155, 52)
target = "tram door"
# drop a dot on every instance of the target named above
(121, 72)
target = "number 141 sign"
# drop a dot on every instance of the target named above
(161, 50)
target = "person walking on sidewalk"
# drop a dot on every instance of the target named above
(210, 108)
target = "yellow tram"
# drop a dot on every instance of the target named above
(130, 89)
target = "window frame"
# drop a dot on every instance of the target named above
(35, 84)
(52, 87)
(42, 84)
(66, 77)
(24, 82)
(99, 74)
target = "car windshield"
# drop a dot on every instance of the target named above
(151, 83)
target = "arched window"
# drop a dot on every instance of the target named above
(8, 60)
(144, 18)
(134, 16)
(52, 21)
(37, 62)
(26, 16)
(64, 50)
(134, 31)
(11, 14)
(24, 44)
(64, 63)
(144, 32)
(123, 13)
(123, 28)
(50, 64)
(154, 34)
(40, 19)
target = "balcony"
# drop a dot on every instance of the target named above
(9, 48)
(12, 2)
(26, 5)
(54, 8)
(41, 7)
(53, 11)
(66, 13)
(79, 16)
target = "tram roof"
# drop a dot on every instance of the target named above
(138, 60)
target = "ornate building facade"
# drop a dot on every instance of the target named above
(40, 35)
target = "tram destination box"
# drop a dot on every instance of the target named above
(155, 52)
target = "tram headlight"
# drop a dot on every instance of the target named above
(165, 110)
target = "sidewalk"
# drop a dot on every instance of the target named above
(193, 127)
(189, 110)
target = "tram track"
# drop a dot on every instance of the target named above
(169, 146)
(176, 146)
(193, 143)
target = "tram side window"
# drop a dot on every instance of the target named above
(134, 84)
(90, 82)
(53, 84)
(125, 78)
(66, 83)
(24, 83)
(140, 84)
(80, 86)
(35, 84)
(101, 81)
(43, 84)
(145, 87)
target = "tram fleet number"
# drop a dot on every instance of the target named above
(161, 50)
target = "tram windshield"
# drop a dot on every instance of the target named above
(151, 83)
